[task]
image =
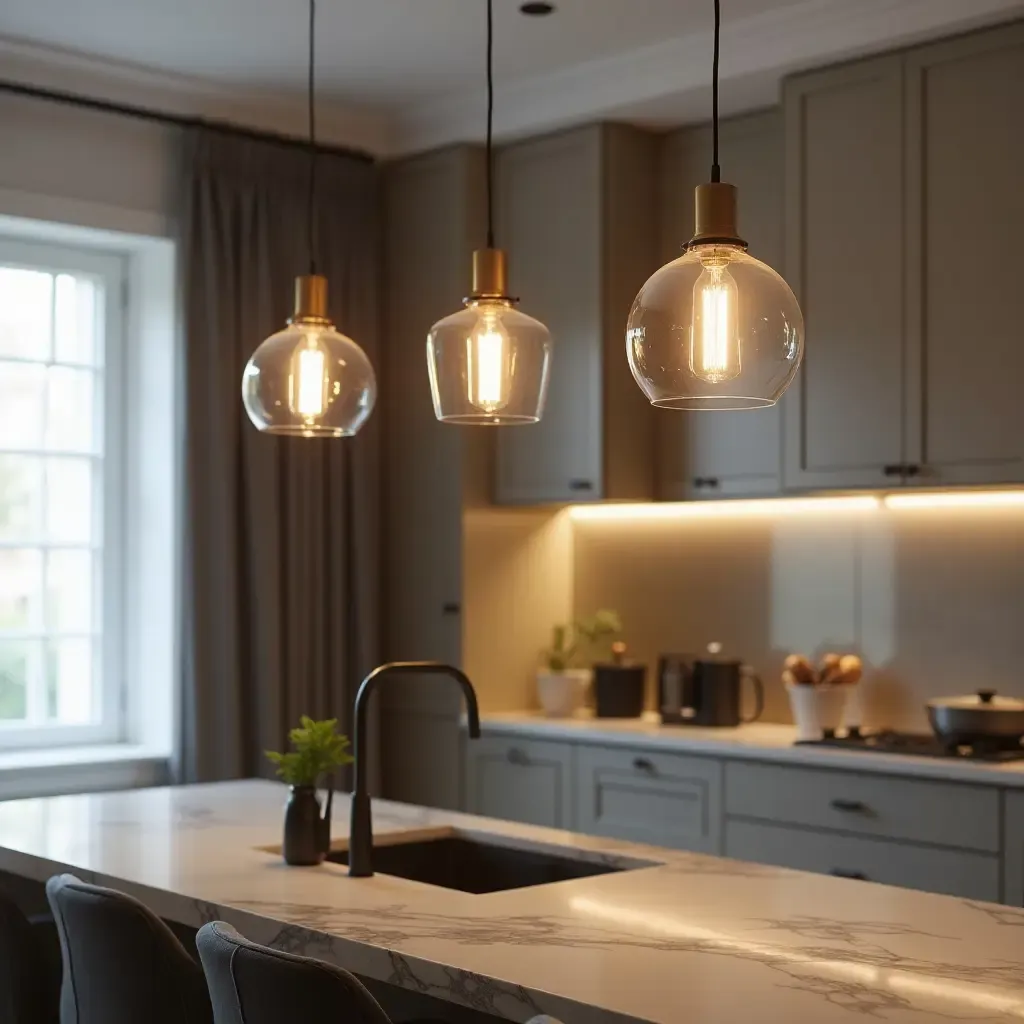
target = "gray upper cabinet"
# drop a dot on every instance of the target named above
(845, 253)
(899, 245)
(576, 213)
(965, 102)
(722, 454)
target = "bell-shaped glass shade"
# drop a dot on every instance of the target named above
(715, 329)
(309, 381)
(489, 364)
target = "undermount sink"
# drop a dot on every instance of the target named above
(474, 864)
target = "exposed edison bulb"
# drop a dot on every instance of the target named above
(714, 329)
(309, 380)
(307, 383)
(489, 365)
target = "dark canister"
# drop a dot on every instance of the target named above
(306, 832)
(619, 686)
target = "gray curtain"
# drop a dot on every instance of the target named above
(279, 601)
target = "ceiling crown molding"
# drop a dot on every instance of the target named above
(120, 82)
(669, 82)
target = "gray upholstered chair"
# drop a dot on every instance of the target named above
(29, 973)
(122, 964)
(254, 984)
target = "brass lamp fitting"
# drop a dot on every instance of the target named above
(490, 274)
(310, 300)
(715, 215)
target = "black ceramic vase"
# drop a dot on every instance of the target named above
(307, 835)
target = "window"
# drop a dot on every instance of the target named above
(60, 495)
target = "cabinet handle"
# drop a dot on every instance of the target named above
(516, 756)
(843, 873)
(451, 608)
(912, 470)
(642, 764)
(894, 469)
(850, 806)
(581, 485)
(700, 482)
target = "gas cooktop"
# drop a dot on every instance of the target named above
(887, 741)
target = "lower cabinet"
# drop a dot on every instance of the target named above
(952, 872)
(520, 780)
(1013, 850)
(662, 799)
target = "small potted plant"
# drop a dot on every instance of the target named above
(562, 682)
(317, 750)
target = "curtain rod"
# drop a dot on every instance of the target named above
(175, 120)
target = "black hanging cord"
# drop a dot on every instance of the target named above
(310, 228)
(490, 124)
(716, 173)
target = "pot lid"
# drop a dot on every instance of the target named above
(983, 700)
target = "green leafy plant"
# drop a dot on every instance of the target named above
(317, 748)
(590, 638)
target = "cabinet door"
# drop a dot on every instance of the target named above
(1013, 850)
(843, 415)
(521, 780)
(930, 868)
(965, 101)
(661, 799)
(723, 454)
(549, 218)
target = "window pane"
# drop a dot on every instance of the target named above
(21, 480)
(69, 592)
(22, 405)
(25, 308)
(69, 679)
(69, 501)
(14, 672)
(70, 425)
(75, 320)
(21, 588)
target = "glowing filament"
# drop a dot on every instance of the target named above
(489, 365)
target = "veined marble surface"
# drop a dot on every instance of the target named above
(696, 940)
(759, 741)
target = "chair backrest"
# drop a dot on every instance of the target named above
(122, 964)
(253, 984)
(27, 990)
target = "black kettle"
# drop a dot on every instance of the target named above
(706, 691)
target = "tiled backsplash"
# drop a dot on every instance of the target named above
(933, 599)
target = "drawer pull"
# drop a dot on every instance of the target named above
(451, 608)
(849, 806)
(843, 873)
(581, 485)
(516, 756)
(894, 469)
(641, 764)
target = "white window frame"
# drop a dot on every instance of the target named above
(112, 269)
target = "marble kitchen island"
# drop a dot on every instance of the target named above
(694, 939)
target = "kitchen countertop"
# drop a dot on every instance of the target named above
(756, 742)
(696, 939)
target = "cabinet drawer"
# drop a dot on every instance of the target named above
(944, 813)
(951, 872)
(520, 780)
(662, 799)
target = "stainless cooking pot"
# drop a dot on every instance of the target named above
(980, 718)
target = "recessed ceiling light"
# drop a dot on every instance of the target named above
(537, 9)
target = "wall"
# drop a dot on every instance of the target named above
(931, 598)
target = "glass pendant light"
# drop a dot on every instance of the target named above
(488, 363)
(715, 328)
(309, 380)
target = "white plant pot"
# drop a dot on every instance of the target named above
(561, 694)
(817, 708)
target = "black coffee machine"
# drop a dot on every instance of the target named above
(705, 691)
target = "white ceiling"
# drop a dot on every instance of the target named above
(407, 74)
